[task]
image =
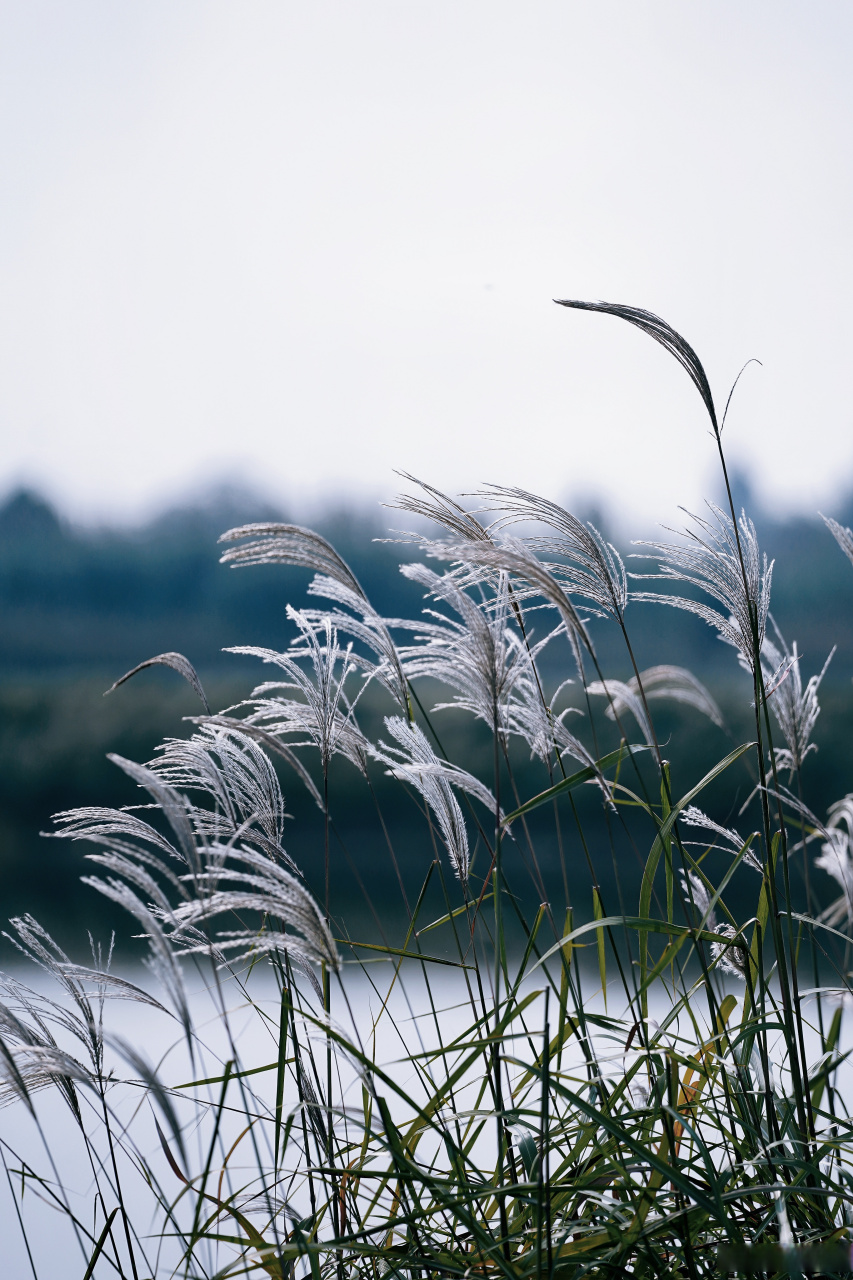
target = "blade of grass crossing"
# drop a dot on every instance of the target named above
(598, 914)
(284, 1019)
(658, 848)
(574, 780)
(665, 794)
(99, 1246)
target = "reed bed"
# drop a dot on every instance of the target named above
(598, 1086)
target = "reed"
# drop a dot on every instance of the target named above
(598, 1087)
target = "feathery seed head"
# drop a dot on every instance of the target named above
(288, 544)
(796, 708)
(594, 571)
(696, 891)
(462, 525)
(415, 763)
(732, 841)
(836, 857)
(322, 715)
(259, 884)
(528, 577)
(674, 683)
(723, 561)
(843, 536)
(731, 957)
(480, 656)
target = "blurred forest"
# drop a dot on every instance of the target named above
(79, 607)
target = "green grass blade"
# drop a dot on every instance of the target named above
(575, 780)
(99, 1246)
(660, 844)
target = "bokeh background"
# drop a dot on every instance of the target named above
(254, 257)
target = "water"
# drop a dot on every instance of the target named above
(392, 1026)
(51, 1143)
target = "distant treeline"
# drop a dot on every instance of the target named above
(78, 600)
(78, 607)
(82, 600)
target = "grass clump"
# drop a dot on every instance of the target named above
(605, 1084)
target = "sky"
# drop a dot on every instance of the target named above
(298, 246)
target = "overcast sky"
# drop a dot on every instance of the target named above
(299, 245)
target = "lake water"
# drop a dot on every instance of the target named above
(404, 1024)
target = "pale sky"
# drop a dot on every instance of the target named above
(299, 245)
